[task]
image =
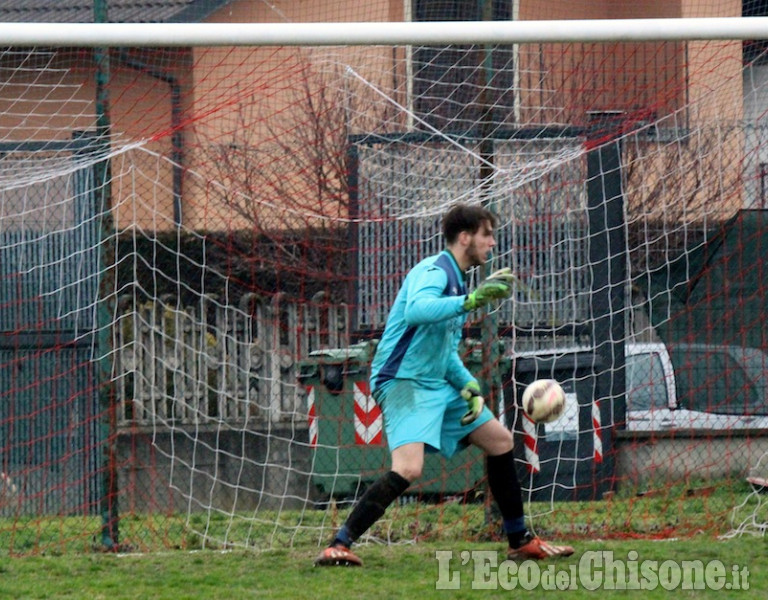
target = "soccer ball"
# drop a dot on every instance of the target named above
(543, 401)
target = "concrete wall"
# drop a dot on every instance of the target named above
(229, 470)
(666, 458)
(245, 471)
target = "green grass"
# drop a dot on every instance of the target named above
(399, 571)
(218, 555)
(678, 511)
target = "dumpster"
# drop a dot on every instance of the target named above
(345, 429)
(568, 459)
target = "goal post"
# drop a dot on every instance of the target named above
(273, 177)
(383, 33)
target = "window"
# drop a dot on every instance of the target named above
(712, 381)
(459, 88)
(755, 50)
(755, 363)
(646, 383)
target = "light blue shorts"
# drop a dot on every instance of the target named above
(430, 415)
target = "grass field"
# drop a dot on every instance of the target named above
(401, 571)
(170, 557)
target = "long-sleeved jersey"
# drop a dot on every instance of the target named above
(423, 329)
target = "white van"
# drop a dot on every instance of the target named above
(679, 387)
(695, 386)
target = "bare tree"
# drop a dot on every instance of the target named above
(283, 169)
(290, 168)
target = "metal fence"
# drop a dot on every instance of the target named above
(50, 430)
(538, 192)
(213, 363)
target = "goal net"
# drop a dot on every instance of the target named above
(199, 246)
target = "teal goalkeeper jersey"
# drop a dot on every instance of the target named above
(424, 327)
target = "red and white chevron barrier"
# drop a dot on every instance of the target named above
(530, 440)
(311, 416)
(369, 421)
(597, 453)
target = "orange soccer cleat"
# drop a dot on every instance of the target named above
(537, 549)
(338, 556)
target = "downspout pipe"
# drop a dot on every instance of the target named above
(177, 139)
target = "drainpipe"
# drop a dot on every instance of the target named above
(177, 142)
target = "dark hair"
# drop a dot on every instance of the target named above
(465, 217)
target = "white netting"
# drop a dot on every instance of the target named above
(211, 331)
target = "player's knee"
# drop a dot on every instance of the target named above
(504, 443)
(410, 472)
(500, 441)
(509, 438)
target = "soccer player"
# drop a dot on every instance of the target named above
(430, 401)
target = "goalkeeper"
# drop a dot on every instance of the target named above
(430, 401)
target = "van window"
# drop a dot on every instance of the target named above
(646, 384)
(712, 381)
(755, 363)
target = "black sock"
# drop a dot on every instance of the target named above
(371, 507)
(502, 479)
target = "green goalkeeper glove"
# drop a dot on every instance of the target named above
(475, 402)
(497, 286)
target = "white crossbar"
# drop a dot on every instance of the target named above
(380, 33)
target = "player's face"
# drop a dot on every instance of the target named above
(481, 244)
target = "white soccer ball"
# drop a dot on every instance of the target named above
(543, 401)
